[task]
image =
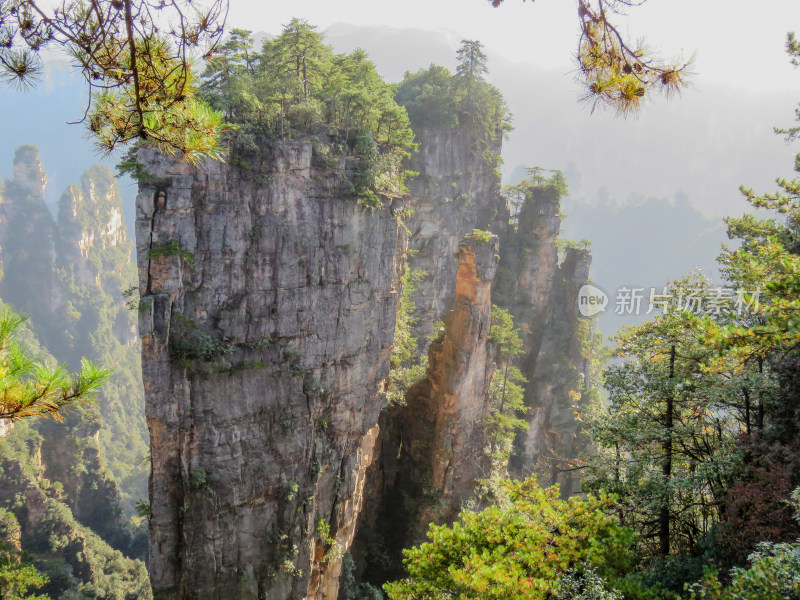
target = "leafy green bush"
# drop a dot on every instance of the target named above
(479, 236)
(517, 550)
(198, 344)
(174, 248)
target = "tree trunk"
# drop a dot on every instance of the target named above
(666, 468)
(746, 410)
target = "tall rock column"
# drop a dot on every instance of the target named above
(459, 373)
(268, 313)
(27, 238)
(433, 447)
(558, 384)
(542, 296)
(457, 190)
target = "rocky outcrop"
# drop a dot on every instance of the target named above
(542, 296)
(558, 386)
(90, 223)
(456, 191)
(27, 236)
(432, 447)
(267, 318)
(459, 373)
(68, 276)
(528, 268)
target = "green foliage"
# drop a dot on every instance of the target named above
(198, 344)
(198, 479)
(138, 71)
(30, 388)
(143, 509)
(426, 96)
(506, 398)
(323, 529)
(503, 334)
(132, 299)
(297, 87)
(616, 73)
(668, 431)
(518, 550)
(699, 439)
(174, 248)
(478, 236)
(129, 165)
(773, 574)
(437, 99)
(534, 186)
(584, 584)
(18, 579)
(407, 366)
(350, 588)
(76, 561)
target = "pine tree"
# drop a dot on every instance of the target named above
(29, 388)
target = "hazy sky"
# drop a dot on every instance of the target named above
(718, 136)
(738, 43)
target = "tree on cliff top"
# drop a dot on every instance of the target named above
(135, 57)
(29, 388)
(437, 98)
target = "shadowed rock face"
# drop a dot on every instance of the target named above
(268, 312)
(432, 448)
(456, 191)
(460, 370)
(542, 295)
(555, 388)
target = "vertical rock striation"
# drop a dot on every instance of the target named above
(542, 296)
(557, 386)
(268, 312)
(432, 448)
(442, 431)
(459, 372)
(456, 191)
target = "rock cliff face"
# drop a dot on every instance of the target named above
(268, 312)
(27, 234)
(459, 373)
(90, 223)
(456, 191)
(431, 450)
(432, 446)
(542, 295)
(558, 385)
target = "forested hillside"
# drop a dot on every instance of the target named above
(69, 488)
